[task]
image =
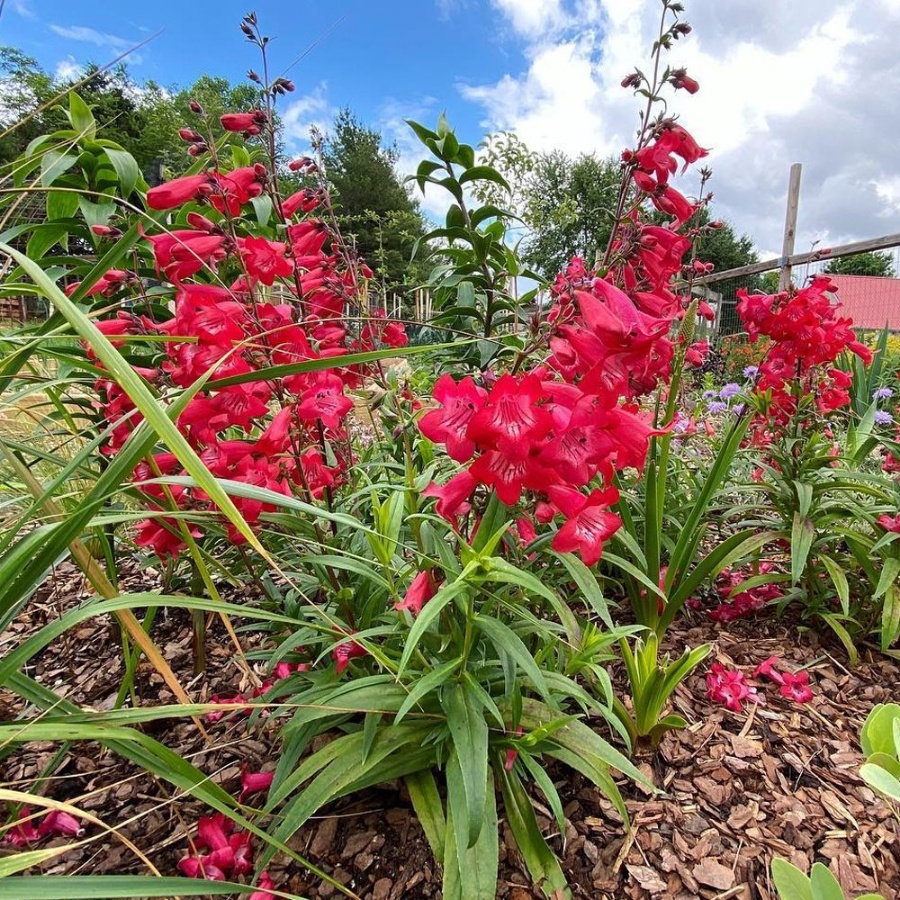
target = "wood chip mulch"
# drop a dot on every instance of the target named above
(779, 779)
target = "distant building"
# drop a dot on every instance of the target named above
(872, 302)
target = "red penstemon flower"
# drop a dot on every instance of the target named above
(424, 586)
(729, 687)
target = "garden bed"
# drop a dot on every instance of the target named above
(780, 780)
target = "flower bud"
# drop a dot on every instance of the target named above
(254, 77)
(201, 223)
(189, 135)
(105, 231)
(198, 149)
(195, 107)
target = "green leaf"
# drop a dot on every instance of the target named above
(54, 163)
(888, 576)
(483, 173)
(588, 585)
(429, 613)
(803, 533)
(113, 887)
(262, 206)
(542, 864)
(81, 117)
(471, 874)
(824, 885)
(469, 732)
(426, 684)
(505, 640)
(126, 168)
(881, 780)
(61, 204)
(877, 735)
(791, 883)
(426, 801)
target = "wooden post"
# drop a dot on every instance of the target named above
(790, 227)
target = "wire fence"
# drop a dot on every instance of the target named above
(872, 302)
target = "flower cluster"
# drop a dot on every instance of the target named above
(559, 431)
(731, 687)
(808, 334)
(793, 686)
(25, 832)
(227, 853)
(737, 603)
(243, 303)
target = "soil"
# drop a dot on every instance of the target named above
(779, 779)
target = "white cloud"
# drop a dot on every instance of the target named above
(391, 122)
(67, 70)
(23, 8)
(533, 18)
(780, 83)
(111, 42)
(304, 113)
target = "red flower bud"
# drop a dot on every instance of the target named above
(195, 107)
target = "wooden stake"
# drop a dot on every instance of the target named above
(790, 227)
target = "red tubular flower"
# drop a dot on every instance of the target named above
(511, 420)
(237, 188)
(182, 253)
(24, 831)
(729, 688)
(178, 192)
(681, 80)
(264, 888)
(346, 651)
(324, 399)
(767, 669)
(106, 285)
(248, 123)
(448, 425)
(254, 783)
(265, 260)
(509, 474)
(453, 497)
(890, 523)
(696, 353)
(796, 687)
(423, 588)
(589, 524)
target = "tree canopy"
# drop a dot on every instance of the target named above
(370, 200)
(879, 264)
(567, 206)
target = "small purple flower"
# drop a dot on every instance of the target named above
(681, 425)
(708, 395)
(729, 390)
(751, 372)
(884, 393)
(882, 417)
(716, 407)
(739, 409)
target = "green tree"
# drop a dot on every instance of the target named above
(878, 264)
(372, 205)
(24, 88)
(570, 209)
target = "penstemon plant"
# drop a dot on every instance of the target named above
(429, 586)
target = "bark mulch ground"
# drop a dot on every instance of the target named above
(780, 779)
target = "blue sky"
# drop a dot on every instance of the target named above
(779, 82)
(383, 59)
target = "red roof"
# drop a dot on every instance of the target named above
(871, 301)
